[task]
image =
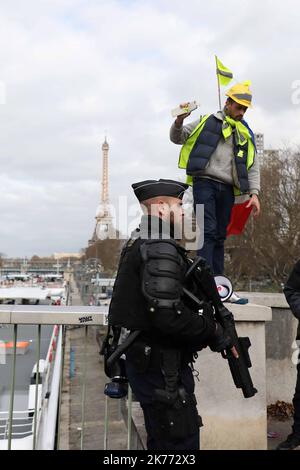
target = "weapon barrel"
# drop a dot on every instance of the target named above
(239, 367)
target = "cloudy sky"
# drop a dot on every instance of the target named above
(72, 71)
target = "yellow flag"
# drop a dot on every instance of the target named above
(224, 74)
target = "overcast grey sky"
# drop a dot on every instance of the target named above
(74, 70)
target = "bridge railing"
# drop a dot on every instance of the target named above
(21, 425)
(61, 317)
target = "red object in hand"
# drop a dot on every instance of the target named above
(239, 216)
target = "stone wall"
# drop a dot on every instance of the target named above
(280, 346)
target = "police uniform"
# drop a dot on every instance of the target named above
(292, 294)
(148, 296)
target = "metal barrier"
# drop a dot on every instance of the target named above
(19, 424)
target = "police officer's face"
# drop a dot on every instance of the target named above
(235, 110)
(176, 213)
(169, 209)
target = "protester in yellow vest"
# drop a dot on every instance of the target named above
(220, 158)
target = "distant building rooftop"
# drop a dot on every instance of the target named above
(67, 255)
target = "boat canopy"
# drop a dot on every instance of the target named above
(24, 293)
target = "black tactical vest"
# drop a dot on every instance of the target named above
(128, 305)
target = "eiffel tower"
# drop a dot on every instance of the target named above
(104, 225)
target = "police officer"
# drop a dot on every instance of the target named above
(292, 294)
(148, 296)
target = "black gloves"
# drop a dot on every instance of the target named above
(219, 340)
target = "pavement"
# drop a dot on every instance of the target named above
(92, 372)
(280, 430)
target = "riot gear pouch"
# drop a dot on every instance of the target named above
(176, 418)
(173, 409)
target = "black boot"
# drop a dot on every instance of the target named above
(292, 441)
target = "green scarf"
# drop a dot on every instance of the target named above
(242, 131)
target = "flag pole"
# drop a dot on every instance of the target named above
(219, 91)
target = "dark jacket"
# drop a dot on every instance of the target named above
(130, 307)
(292, 293)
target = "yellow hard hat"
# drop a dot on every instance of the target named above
(241, 93)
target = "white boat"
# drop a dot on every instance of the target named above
(26, 370)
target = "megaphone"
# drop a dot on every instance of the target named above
(224, 287)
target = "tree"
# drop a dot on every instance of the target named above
(35, 258)
(107, 252)
(269, 246)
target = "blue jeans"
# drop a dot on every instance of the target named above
(218, 200)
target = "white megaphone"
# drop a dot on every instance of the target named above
(224, 287)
